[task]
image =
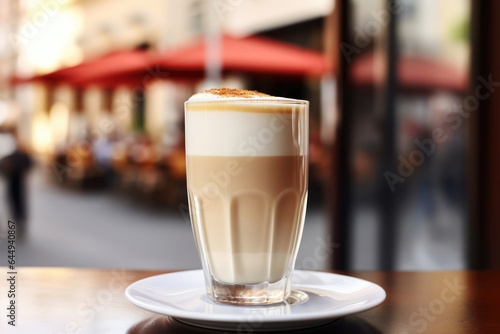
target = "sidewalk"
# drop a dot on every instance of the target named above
(97, 230)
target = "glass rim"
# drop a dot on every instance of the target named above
(245, 100)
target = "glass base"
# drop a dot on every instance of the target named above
(263, 293)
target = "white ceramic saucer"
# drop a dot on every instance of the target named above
(182, 295)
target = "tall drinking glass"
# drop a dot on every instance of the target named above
(247, 166)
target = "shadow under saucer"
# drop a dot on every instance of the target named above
(169, 325)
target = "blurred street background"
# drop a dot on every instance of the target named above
(92, 161)
(108, 232)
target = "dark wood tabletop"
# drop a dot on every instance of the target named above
(63, 300)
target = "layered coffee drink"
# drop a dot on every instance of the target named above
(247, 186)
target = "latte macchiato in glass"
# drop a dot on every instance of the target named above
(247, 165)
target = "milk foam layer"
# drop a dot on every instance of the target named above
(207, 97)
(228, 133)
(225, 125)
(226, 94)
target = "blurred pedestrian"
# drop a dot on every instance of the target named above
(103, 152)
(14, 167)
(7, 146)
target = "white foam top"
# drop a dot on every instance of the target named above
(230, 94)
(208, 97)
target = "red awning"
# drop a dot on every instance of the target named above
(414, 72)
(250, 54)
(113, 65)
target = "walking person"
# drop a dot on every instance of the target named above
(14, 167)
(7, 146)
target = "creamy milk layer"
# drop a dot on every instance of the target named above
(244, 125)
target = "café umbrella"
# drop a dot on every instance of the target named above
(138, 67)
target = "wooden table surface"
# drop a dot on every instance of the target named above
(63, 300)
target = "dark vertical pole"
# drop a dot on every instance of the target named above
(388, 206)
(341, 175)
(477, 255)
(484, 138)
(493, 153)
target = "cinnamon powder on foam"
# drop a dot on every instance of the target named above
(232, 92)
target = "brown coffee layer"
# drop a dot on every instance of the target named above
(247, 214)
